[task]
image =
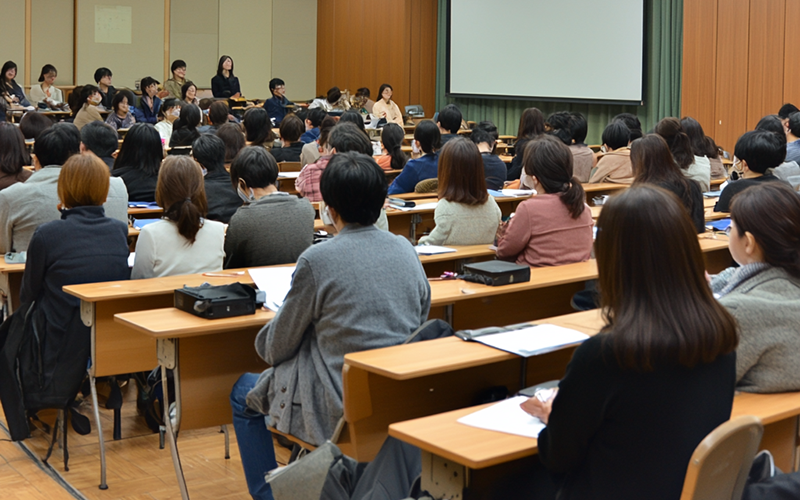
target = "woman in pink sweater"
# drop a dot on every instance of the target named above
(555, 226)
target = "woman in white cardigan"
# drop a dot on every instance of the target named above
(46, 92)
(465, 214)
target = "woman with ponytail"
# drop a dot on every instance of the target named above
(183, 241)
(392, 141)
(697, 168)
(653, 164)
(184, 130)
(764, 293)
(555, 226)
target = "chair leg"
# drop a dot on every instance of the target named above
(117, 424)
(224, 430)
(64, 448)
(102, 444)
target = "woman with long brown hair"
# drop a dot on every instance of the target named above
(661, 373)
(183, 241)
(465, 214)
(531, 125)
(694, 167)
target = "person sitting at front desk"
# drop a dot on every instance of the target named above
(276, 105)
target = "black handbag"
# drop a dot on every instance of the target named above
(223, 301)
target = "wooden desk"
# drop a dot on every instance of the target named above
(145, 213)
(601, 189)
(10, 284)
(435, 265)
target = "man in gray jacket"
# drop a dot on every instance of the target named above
(364, 289)
(26, 205)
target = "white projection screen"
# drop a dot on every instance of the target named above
(561, 50)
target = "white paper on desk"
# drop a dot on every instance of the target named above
(505, 416)
(131, 259)
(433, 250)
(288, 175)
(420, 206)
(533, 341)
(275, 282)
(518, 192)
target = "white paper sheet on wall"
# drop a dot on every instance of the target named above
(112, 24)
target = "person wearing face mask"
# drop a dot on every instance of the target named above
(47, 93)
(120, 116)
(209, 151)
(169, 112)
(90, 99)
(272, 227)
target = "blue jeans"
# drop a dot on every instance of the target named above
(254, 439)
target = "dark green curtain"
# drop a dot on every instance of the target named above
(662, 87)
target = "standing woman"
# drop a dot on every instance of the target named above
(225, 84)
(138, 161)
(189, 93)
(47, 93)
(652, 163)
(13, 156)
(120, 116)
(386, 107)
(88, 112)
(465, 214)
(183, 241)
(531, 125)
(174, 84)
(150, 103)
(660, 375)
(11, 92)
(184, 130)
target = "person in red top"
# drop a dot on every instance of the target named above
(555, 226)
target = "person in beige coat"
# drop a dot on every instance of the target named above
(615, 165)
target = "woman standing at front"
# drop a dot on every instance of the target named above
(225, 84)
(639, 397)
(47, 93)
(386, 107)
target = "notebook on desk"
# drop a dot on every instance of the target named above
(143, 204)
(525, 340)
(140, 223)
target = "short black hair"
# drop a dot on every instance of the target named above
(275, 82)
(786, 110)
(33, 124)
(209, 151)
(146, 82)
(141, 150)
(99, 138)
(354, 117)
(347, 137)
(632, 122)
(761, 150)
(119, 96)
(559, 123)
(489, 127)
(479, 135)
(334, 94)
(428, 135)
(255, 166)
(55, 145)
(616, 135)
(177, 63)
(355, 186)
(579, 127)
(450, 118)
(315, 116)
(292, 128)
(794, 124)
(772, 123)
(218, 113)
(87, 91)
(100, 73)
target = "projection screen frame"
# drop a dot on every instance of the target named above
(568, 100)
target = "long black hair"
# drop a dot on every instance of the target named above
(141, 149)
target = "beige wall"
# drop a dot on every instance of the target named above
(294, 46)
(194, 37)
(13, 15)
(144, 56)
(245, 35)
(51, 40)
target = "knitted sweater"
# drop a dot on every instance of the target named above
(462, 224)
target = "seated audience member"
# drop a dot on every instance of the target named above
(313, 122)
(217, 116)
(362, 103)
(554, 227)
(271, 227)
(788, 171)
(764, 293)
(393, 157)
(785, 112)
(493, 167)
(32, 124)
(174, 84)
(183, 241)
(46, 92)
(209, 151)
(13, 156)
(387, 109)
(168, 114)
(147, 112)
(189, 93)
(428, 140)
(793, 138)
(343, 138)
(756, 151)
(276, 105)
(615, 165)
(466, 214)
(312, 151)
(334, 100)
(649, 367)
(225, 84)
(9, 89)
(102, 77)
(233, 138)
(257, 127)
(702, 145)
(632, 122)
(184, 129)
(88, 112)
(354, 118)
(449, 122)
(583, 157)
(291, 129)
(328, 312)
(653, 164)
(100, 139)
(24, 206)
(531, 125)
(138, 162)
(120, 116)
(694, 167)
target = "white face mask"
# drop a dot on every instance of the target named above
(326, 217)
(96, 100)
(245, 198)
(175, 112)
